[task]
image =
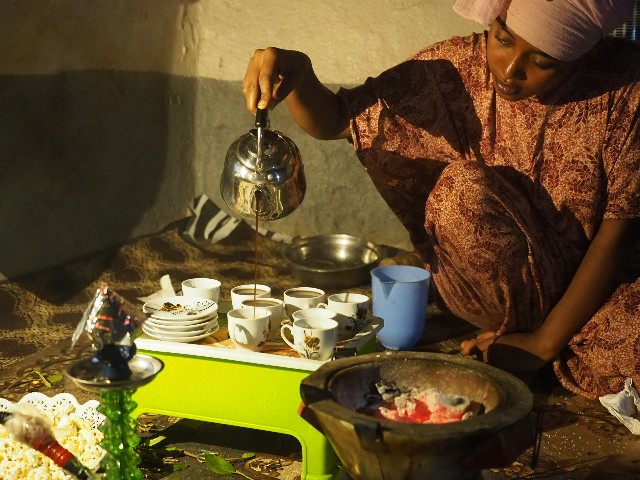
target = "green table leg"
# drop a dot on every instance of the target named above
(240, 394)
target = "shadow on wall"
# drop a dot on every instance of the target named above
(95, 143)
(84, 155)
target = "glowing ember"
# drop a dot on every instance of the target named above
(427, 405)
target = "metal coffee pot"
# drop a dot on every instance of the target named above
(263, 173)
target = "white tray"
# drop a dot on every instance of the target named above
(209, 351)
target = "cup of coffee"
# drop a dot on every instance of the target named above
(249, 327)
(314, 334)
(208, 288)
(241, 292)
(352, 309)
(302, 297)
(275, 307)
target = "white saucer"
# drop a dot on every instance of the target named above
(177, 321)
(179, 325)
(182, 308)
(180, 339)
(197, 330)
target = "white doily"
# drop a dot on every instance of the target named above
(74, 425)
(61, 402)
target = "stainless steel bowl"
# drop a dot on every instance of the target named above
(332, 261)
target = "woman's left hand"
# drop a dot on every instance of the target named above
(514, 352)
(478, 346)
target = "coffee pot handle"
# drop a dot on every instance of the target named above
(262, 118)
(262, 122)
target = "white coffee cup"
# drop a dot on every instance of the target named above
(314, 313)
(352, 308)
(249, 327)
(314, 337)
(275, 306)
(302, 297)
(208, 288)
(251, 290)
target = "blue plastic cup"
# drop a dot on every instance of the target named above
(399, 297)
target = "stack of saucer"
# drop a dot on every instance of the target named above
(180, 319)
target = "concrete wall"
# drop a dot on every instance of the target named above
(115, 114)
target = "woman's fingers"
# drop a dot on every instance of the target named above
(257, 85)
(514, 353)
(467, 346)
(271, 75)
(478, 346)
(488, 335)
(268, 77)
(250, 88)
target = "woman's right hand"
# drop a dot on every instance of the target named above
(271, 75)
(274, 74)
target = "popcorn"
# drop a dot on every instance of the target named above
(76, 434)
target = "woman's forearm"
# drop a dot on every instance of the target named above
(591, 285)
(318, 110)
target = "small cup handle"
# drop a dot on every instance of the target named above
(284, 327)
(322, 305)
(239, 329)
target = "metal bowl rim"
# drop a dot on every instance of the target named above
(301, 241)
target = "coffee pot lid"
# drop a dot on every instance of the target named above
(275, 150)
(262, 149)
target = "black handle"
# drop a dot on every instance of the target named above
(262, 119)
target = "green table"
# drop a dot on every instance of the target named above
(241, 388)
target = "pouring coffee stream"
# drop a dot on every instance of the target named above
(255, 254)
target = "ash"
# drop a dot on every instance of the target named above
(419, 405)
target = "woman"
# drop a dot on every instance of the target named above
(512, 158)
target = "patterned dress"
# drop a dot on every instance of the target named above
(502, 199)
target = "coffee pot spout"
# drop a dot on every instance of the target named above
(263, 175)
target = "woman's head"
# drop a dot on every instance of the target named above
(566, 29)
(534, 43)
(519, 69)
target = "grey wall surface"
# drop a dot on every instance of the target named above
(88, 158)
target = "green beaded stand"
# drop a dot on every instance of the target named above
(120, 438)
(120, 430)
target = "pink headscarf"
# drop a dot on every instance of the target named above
(564, 29)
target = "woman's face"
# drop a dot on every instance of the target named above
(519, 69)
